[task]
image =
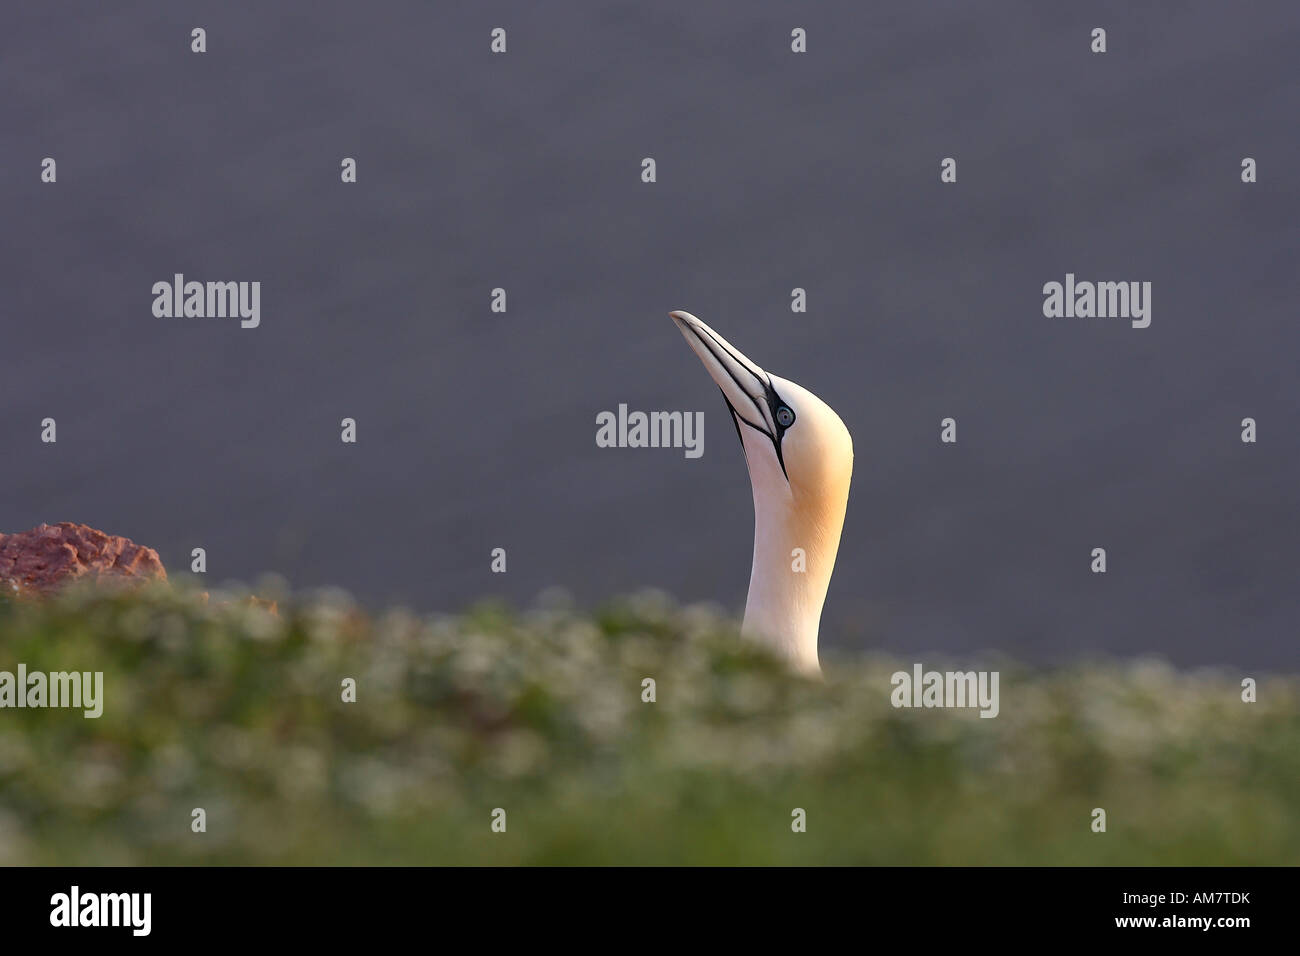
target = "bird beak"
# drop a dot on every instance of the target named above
(745, 386)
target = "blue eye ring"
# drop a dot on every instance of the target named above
(784, 416)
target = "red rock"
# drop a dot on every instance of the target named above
(39, 561)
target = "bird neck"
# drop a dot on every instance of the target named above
(794, 553)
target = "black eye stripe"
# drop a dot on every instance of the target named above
(769, 394)
(757, 428)
(776, 405)
(737, 418)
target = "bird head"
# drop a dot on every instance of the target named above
(799, 452)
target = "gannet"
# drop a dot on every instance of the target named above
(800, 459)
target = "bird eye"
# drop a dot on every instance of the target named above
(784, 417)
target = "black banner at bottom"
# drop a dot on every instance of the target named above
(602, 906)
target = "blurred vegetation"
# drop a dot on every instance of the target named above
(230, 708)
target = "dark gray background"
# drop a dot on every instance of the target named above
(775, 170)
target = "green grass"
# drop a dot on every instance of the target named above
(237, 711)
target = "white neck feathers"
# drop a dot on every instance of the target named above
(796, 538)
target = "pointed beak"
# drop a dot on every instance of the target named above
(745, 386)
